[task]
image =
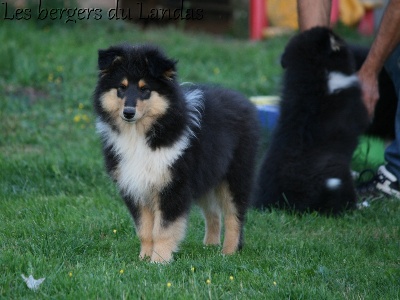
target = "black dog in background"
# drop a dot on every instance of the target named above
(307, 165)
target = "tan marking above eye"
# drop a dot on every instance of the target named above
(141, 83)
(124, 82)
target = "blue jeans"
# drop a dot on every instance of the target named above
(392, 152)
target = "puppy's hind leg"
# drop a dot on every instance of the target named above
(212, 215)
(233, 224)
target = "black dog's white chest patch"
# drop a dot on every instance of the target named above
(338, 81)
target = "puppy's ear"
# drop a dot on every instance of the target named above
(160, 66)
(170, 73)
(108, 57)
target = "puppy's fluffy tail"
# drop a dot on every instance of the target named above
(338, 195)
(333, 183)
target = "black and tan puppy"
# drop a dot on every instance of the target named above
(166, 145)
(307, 166)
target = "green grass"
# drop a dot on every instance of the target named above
(58, 209)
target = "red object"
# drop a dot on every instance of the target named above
(334, 12)
(258, 18)
(366, 25)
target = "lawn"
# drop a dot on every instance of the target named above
(62, 219)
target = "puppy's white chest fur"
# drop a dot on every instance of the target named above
(141, 171)
(338, 81)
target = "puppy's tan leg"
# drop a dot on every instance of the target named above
(166, 237)
(145, 232)
(231, 221)
(212, 215)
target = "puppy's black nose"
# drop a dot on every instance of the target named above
(129, 113)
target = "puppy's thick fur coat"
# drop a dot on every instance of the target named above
(166, 145)
(307, 166)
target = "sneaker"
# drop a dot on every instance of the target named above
(387, 183)
(366, 185)
(383, 182)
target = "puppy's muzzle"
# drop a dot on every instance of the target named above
(128, 114)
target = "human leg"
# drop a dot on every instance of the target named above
(392, 153)
(388, 176)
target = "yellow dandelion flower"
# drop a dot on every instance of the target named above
(192, 269)
(77, 118)
(60, 68)
(115, 231)
(169, 284)
(81, 106)
(121, 271)
(275, 283)
(231, 278)
(70, 274)
(208, 281)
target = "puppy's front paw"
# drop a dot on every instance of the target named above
(146, 250)
(161, 258)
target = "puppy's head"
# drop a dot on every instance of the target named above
(134, 84)
(318, 48)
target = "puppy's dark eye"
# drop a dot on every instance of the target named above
(144, 89)
(122, 88)
(144, 92)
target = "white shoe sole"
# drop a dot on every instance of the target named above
(387, 190)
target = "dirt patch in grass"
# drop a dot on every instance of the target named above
(32, 94)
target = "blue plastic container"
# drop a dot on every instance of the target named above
(268, 110)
